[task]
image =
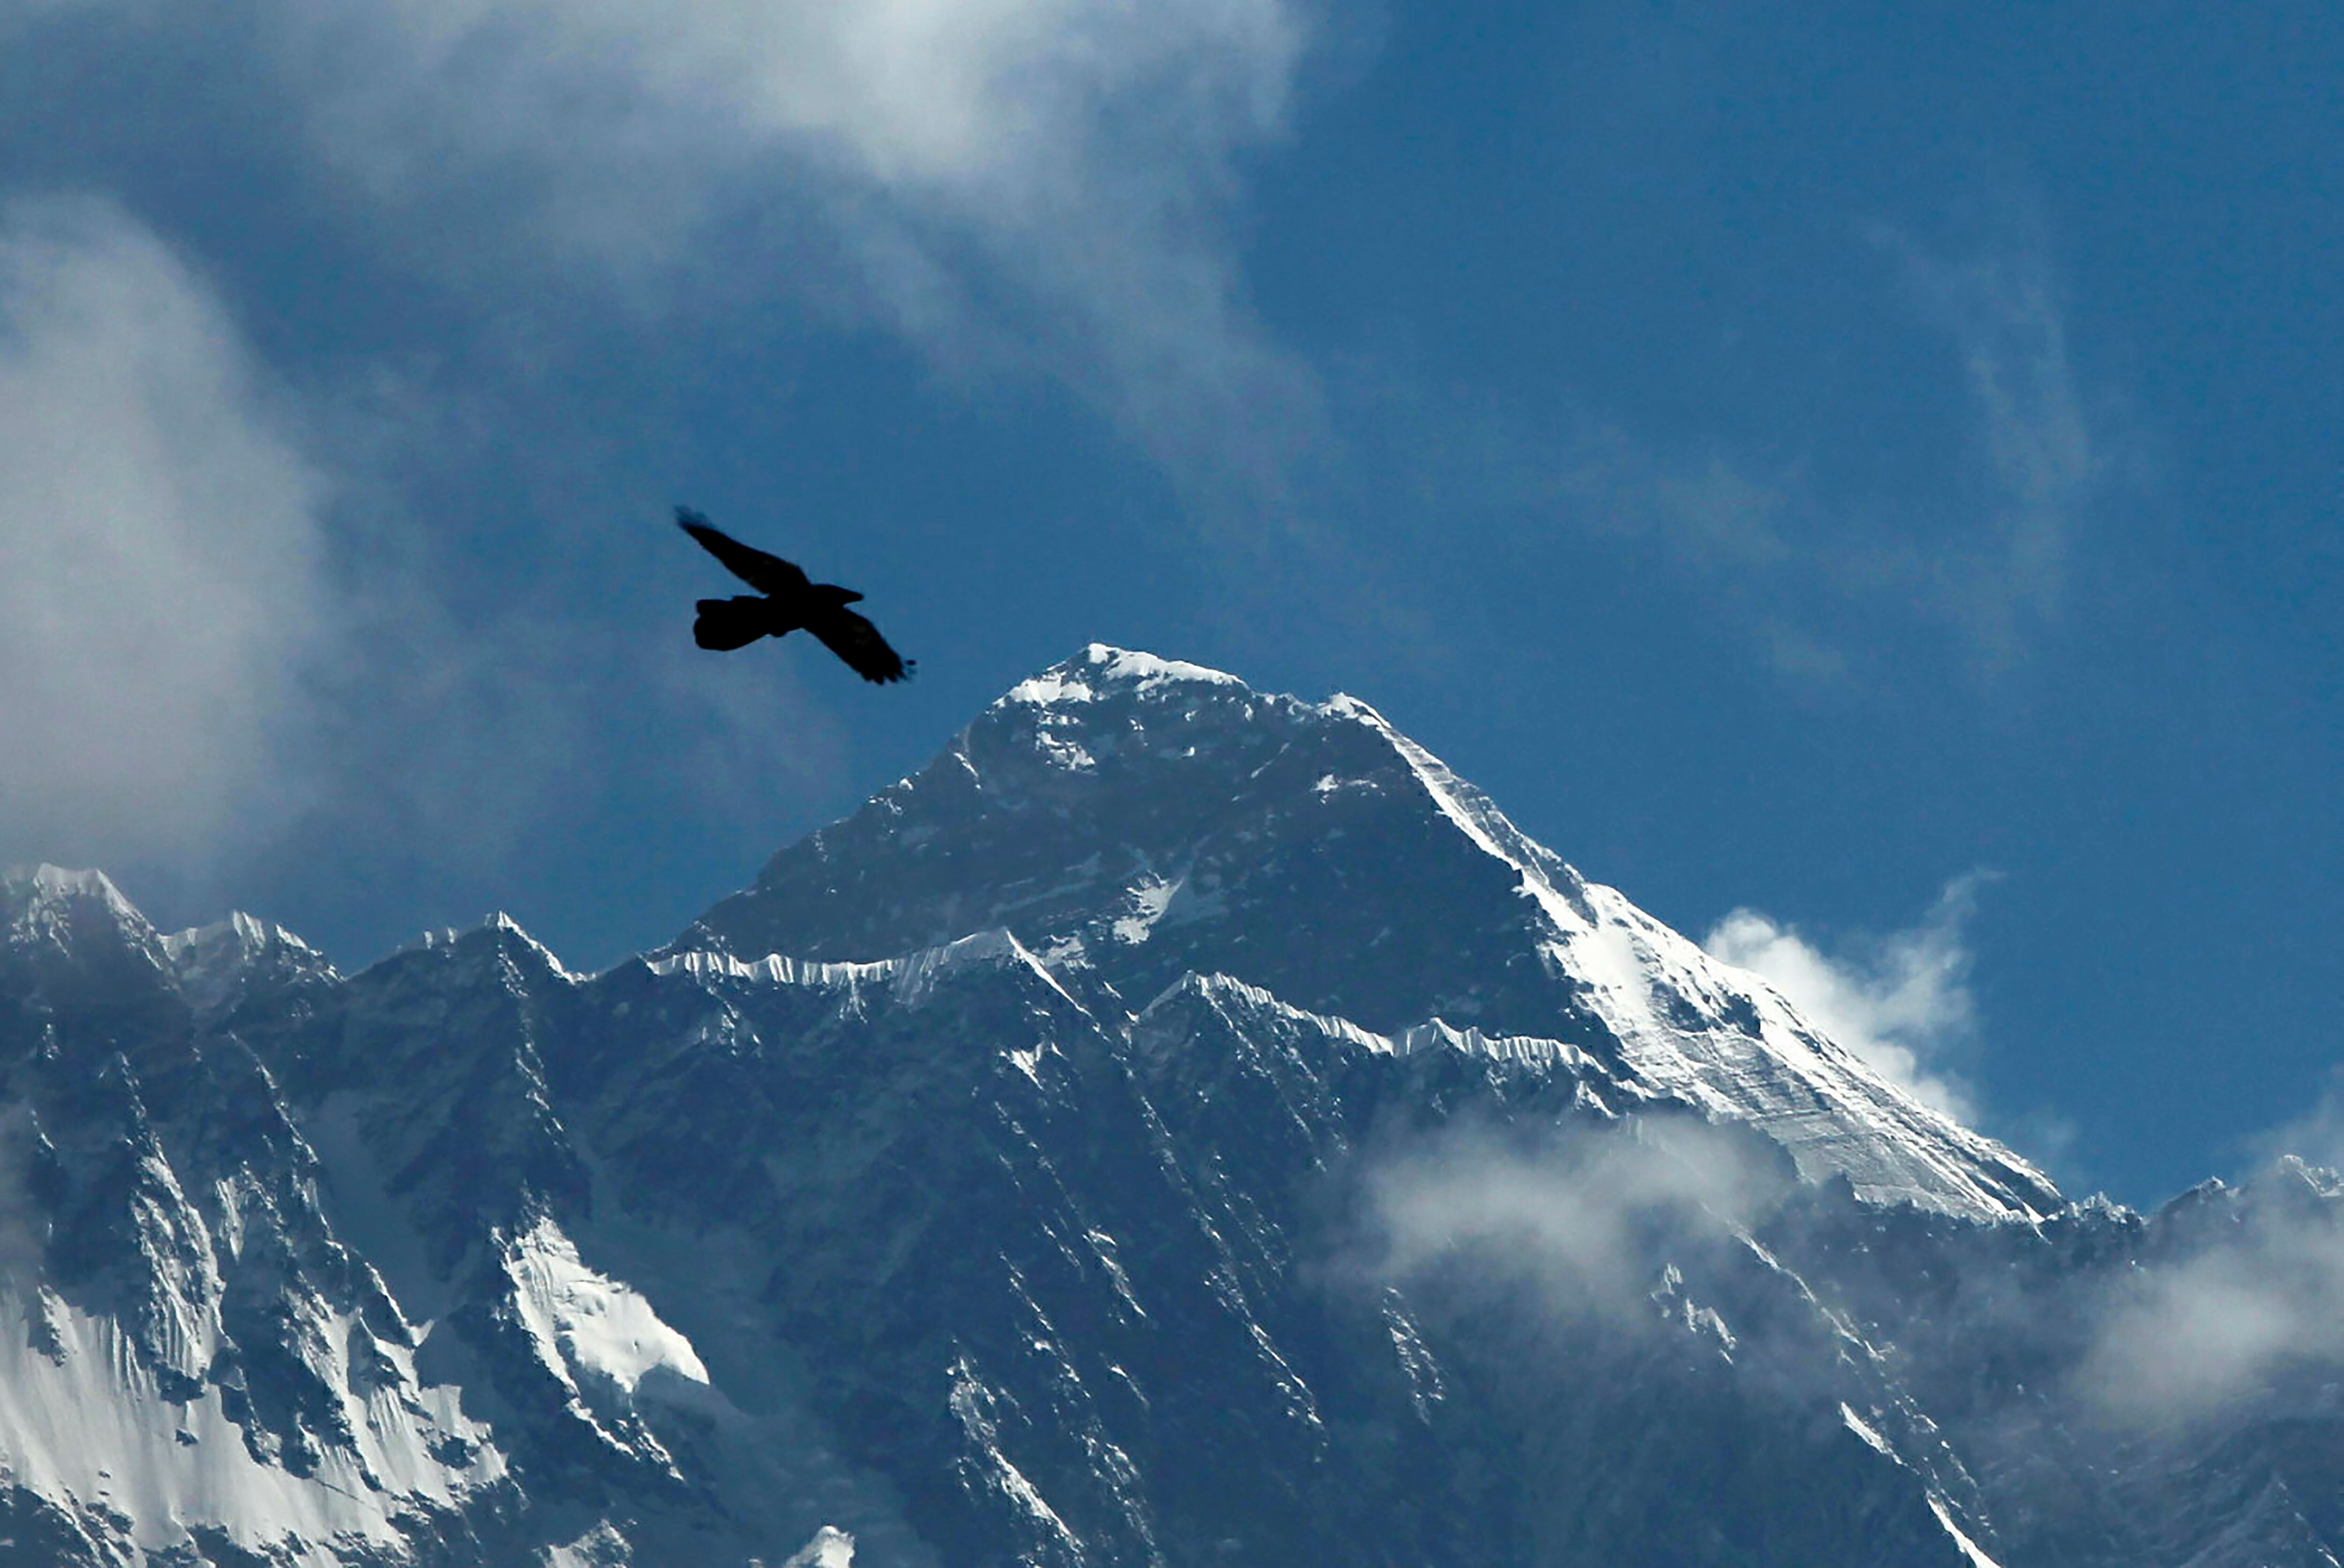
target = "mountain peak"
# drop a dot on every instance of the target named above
(1102, 668)
(53, 908)
(1155, 818)
(214, 964)
(28, 889)
(497, 937)
(959, 1254)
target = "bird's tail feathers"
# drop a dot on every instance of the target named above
(727, 623)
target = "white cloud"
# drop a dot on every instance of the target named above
(161, 580)
(2186, 1337)
(1015, 186)
(1005, 181)
(946, 95)
(190, 686)
(1899, 1002)
(1575, 1216)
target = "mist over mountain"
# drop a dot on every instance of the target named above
(1181, 1124)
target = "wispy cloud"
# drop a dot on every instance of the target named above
(162, 580)
(2318, 1135)
(1035, 183)
(1019, 189)
(1826, 573)
(2257, 1287)
(1827, 569)
(1901, 1001)
(1572, 1216)
(2036, 453)
(2248, 1289)
(968, 96)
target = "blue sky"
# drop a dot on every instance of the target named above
(1879, 476)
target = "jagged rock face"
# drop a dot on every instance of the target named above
(185, 1344)
(978, 1189)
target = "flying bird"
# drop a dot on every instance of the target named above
(790, 602)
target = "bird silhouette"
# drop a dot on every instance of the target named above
(790, 602)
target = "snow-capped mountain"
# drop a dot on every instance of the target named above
(1154, 819)
(1181, 1125)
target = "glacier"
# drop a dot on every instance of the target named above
(1181, 1124)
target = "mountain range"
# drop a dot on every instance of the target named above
(1181, 1124)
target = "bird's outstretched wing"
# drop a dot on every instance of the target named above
(765, 573)
(856, 641)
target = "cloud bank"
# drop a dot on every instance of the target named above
(1901, 1002)
(162, 583)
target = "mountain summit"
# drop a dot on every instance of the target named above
(1180, 1125)
(1152, 819)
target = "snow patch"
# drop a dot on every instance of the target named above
(83, 1422)
(1049, 688)
(1865, 1430)
(588, 1325)
(506, 925)
(912, 977)
(1969, 1548)
(1082, 678)
(774, 969)
(916, 975)
(830, 1548)
(1221, 991)
(1149, 899)
(601, 1547)
(1126, 666)
(1064, 754)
